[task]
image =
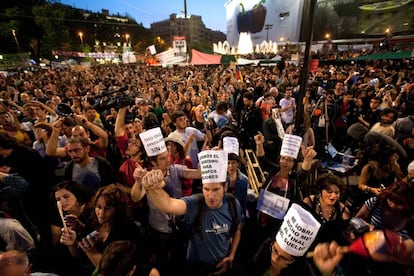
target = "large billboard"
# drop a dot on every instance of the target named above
(363, 18)
(265, 20)
(281, 20)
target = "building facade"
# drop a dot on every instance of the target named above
(192, 28)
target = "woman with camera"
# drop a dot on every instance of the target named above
(114, 222)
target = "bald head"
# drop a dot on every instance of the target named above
(80, 131)
(14, 263)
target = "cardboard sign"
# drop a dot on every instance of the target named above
(231, 145)
(298, 231)
(272, 204)
(153, 141)
(213, 164)
(291, 145)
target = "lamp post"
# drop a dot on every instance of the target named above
(267, 28)
(305, 67)
(387, 40)
(16, 40)
(81, 38)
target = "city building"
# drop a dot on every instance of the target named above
(192, 28)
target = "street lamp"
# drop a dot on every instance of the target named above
(267, 28)
(15, 39)
(81, 38)
(388, 37)
(127, 38)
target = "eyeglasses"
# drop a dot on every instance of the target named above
(75, 150)
(274, 250)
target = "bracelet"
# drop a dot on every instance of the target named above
(368, 189)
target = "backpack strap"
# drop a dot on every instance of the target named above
(198, 220)
(233, 211)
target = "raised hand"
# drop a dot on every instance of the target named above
(308, 153)
(139, 172)
(327, 256)
(153, 180)
(259, 138)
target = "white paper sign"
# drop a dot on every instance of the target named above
(298, 231)
(291, 145)
(213, 164)
(272, 204)
(278, 122)
(231, 145)
(152, 49)
(153, 141)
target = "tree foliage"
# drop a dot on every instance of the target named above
(43, 26)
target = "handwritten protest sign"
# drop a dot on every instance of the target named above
(298, 231)
(231, 145)
(153, 141)
(291, 145)
(213, 164)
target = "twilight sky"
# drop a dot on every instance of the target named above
(146, 12)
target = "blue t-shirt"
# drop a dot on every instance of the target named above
(214, 244)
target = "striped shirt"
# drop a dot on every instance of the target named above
(375, 209)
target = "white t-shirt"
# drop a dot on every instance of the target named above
(287, 115)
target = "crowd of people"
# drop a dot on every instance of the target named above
(83, 193)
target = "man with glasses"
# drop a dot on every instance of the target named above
(284, 253)
(97, 147)
(271, 259)
(91, 172)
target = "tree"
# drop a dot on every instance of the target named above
(51, 19)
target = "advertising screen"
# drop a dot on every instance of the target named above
(269, 20)
(344, 19)
(283, 20)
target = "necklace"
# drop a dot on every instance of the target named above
(320, 212)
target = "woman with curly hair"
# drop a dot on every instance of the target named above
(327, 208)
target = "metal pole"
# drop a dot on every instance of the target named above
(185, 8)
(305, 69)
(267, 28)
(16, 40)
